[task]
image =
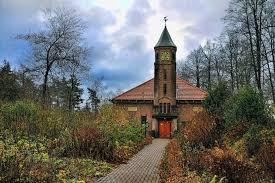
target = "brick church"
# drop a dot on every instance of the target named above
(166, 100)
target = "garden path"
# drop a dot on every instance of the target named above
(143, 167)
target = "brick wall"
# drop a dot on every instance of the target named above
(139, 110)
(187, 111)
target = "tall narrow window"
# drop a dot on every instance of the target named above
(164, 108)
(164, 89)
(165, 74)
(160, 107)
(168, 108)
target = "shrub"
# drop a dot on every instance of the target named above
(27, 160)
(247, 106)
(215, 101)
(257, 136)
(110, 114)
(90, 142)
(20, 117)
(237, 131)
(224, 163)
(266, 157)
(253, 140)
(132, 132)
(24, 160)
(52, 122)
(171, 167)
(116, 123)
(125, 152)
(202, 129)
(191, 155)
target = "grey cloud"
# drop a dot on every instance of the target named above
(122, 57)
(98, 17)
(202, 17)
(138, 14)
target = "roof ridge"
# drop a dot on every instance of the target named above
(133, 88)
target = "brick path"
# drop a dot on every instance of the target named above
(143, 167)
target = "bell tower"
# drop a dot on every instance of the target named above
(165, 73)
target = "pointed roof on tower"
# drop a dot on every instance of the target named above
(165, 39)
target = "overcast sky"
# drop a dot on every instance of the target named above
(122, 33)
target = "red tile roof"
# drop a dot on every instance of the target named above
(145, 91)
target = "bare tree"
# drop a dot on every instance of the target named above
(191, 68)
(55, 46)
(245, 51)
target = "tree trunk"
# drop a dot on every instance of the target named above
(209, 74)
(251, 46)
(269, 73)
(258, 45)
(197, 73)
(45, 88)
(71, 107)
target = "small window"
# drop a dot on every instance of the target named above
(143, 119)
(164, 89)
(165, 74)
(160, 107)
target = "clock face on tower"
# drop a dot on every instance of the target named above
(164, 55)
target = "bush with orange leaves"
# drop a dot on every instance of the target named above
(90, 142)
(202, 129)
(224, 163)
(171, 167)
(266, 157)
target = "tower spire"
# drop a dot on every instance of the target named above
(165, 38)
(165, 20)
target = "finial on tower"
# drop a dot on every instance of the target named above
(165, 20)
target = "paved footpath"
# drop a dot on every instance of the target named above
(143, 167)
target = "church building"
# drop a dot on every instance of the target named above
(165, 101)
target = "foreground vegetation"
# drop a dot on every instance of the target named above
(232, 141)
(55, 145)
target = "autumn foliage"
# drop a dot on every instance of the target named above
(172, 163)
(201, 129)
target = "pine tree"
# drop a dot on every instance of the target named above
(9, 87)
(94, 99)
(75, 93)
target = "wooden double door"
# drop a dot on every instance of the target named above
(164, 129)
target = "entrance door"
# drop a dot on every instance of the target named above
(164, 129)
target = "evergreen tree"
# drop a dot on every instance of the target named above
(94, 99)
(66, 93)
(28, 88)
(9, 87)
(75, 93)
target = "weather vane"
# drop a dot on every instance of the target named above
(165, 20)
